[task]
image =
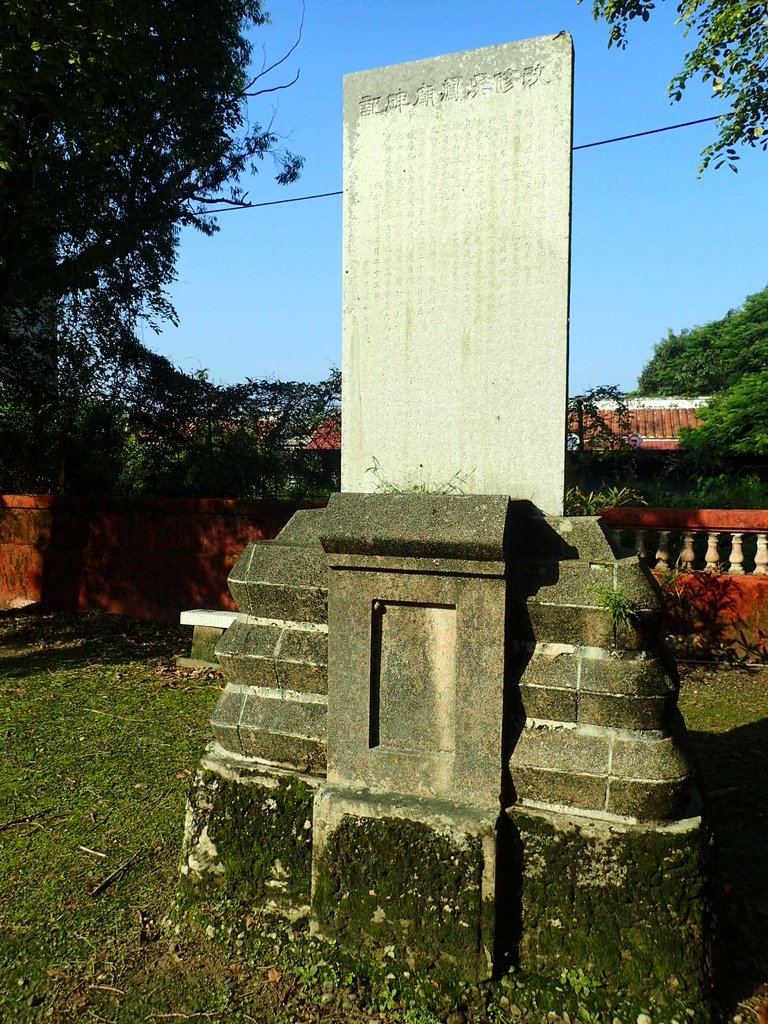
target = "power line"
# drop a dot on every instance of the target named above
(651, 131)
(273, 202)
(584, 145)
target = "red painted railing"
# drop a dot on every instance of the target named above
(712, 565)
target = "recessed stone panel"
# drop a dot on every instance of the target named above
(413, 677)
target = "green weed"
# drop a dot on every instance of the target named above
(418, 483)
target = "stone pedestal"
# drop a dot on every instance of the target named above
(627, 905)
(500, 774)
(413, 874)
(405, 828)
(596, 697)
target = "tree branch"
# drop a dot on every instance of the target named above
(266, 71)
(275, 88)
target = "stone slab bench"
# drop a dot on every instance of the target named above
(208, 626)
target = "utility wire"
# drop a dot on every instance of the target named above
(651, 131)
(584, 145)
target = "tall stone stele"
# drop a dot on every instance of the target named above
(449, 726)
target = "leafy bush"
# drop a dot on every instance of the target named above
(592, 504)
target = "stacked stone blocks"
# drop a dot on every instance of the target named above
(597, 696)
(274, 656)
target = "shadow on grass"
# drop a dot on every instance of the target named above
(35, 640)
(734, 768)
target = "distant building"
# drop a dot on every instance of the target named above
(650, 424)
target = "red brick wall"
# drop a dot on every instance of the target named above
(149, 558)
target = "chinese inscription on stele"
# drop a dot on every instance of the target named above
(455, 89)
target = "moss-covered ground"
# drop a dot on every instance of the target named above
(100, 734)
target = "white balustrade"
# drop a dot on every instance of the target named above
(662, 554)
(761, 556)
(691, 555)
(712, 556)
(687, 555)
(640, 549)
(736, 560)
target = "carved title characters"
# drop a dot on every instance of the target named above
(455, 89)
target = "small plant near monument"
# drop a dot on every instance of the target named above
(624, 612)
(577, 503)
(457, 484)
(579, 982)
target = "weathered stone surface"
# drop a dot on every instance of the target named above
(629, 905)
(225, 720)
(274, 711)
(647, 801)
(250, 639)
(634, 578)
(548, 703)
(561, 538)
(463, 527)
(561, 750)
(553, 668)
(452, 292)
(419, 876)
(624, 712)
(301, 676)
(309, 646)
(284, 578)
(643, 676)
(594, 767)
(285, 655)
(280, 581)
(560, 788)
(248, 833)
(274, 655)
(416, 659)
(573, 582)
(302, 528)
(648, 759)
(301, 753)
(556, 623)
(281, 601)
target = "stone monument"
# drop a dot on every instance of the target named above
(457, 191)
(449, 728)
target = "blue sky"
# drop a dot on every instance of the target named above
(653, 247)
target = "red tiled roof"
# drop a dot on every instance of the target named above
(658, 427)
(658, 424)
(326, 437)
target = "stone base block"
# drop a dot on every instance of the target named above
(248, 834)
(627, 905)
(416, 875)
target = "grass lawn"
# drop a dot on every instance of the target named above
(100, 735)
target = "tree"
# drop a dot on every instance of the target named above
(726, 359)
(594, 436)
(163, 432)
(730, 51)
(120, 122)
(710, 359)
(734, 424)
